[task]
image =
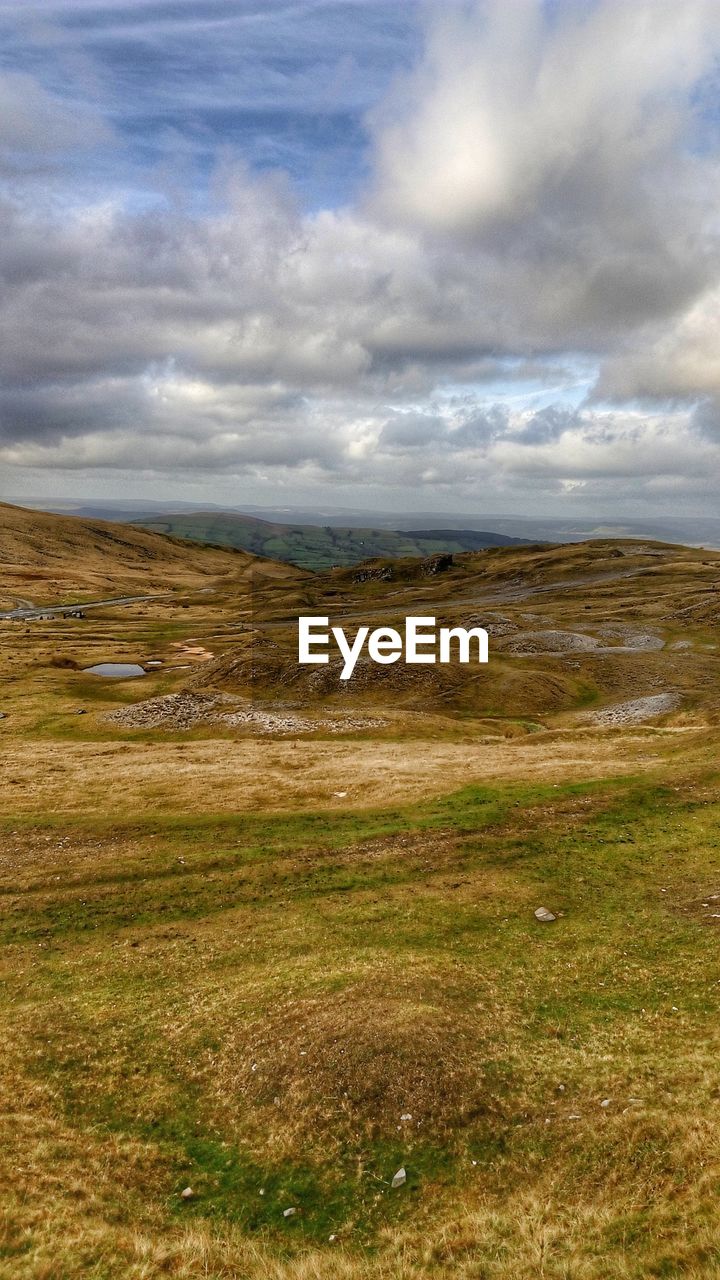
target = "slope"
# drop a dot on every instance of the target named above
(51, 557)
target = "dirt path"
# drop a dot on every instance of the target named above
(26, 610)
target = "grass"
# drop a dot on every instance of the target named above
(275, 970)
(313, 547)
(259, 1017)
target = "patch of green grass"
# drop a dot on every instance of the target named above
(398, 951)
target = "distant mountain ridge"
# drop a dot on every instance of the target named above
(699, 530)
(317, 547)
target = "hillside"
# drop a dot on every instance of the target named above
(313, 546)
(45, 558)
(269, 938)
(572, 628)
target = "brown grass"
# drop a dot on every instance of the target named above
(250, 776)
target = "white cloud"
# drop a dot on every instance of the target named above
(538, 193)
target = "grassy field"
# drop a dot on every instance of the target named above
(272, 966)
(316, 547)
(279, 1012)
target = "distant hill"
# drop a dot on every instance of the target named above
(49, 557)
(520, 530)
(317, 547)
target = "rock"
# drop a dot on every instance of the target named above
(605, 1102)
(406, 1116)
(374, 575)
(187, 1194)
(288, 1213)
(544, 916)
(400, 1178)
(438, 563)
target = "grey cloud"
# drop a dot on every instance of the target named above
(706, 420)
(546, 425)
(480, 427)
(412, 430)
(249, 334)
(36, 127)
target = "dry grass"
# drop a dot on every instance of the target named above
(217, 973)
(277, 1012)
(47, 557)
(118, 778)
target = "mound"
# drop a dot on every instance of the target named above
(356, 1062)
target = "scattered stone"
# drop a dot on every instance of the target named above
(605, 1102)
(400, 1178)
(544, 916)
(635, 711)
(339, 795)
(380, 574)
(187, 1194)
(187, 709)
(551, 643)
(288, 1213)
(406, 1116)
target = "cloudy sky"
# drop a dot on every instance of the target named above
(372, 253)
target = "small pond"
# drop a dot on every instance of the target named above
(116, 670)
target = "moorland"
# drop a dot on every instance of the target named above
(270, 939)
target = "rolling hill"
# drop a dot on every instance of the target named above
(592, 624)
(313, 546)
(50, 557)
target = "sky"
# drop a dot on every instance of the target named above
(450, 255)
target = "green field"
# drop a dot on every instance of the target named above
(318, 547)
(248, 1006)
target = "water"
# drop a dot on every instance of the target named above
(116, 670)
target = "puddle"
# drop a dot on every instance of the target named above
(116, 670)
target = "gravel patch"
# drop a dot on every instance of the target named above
(551, 642)
(193, 710)
(635, 711)
(554, 643)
